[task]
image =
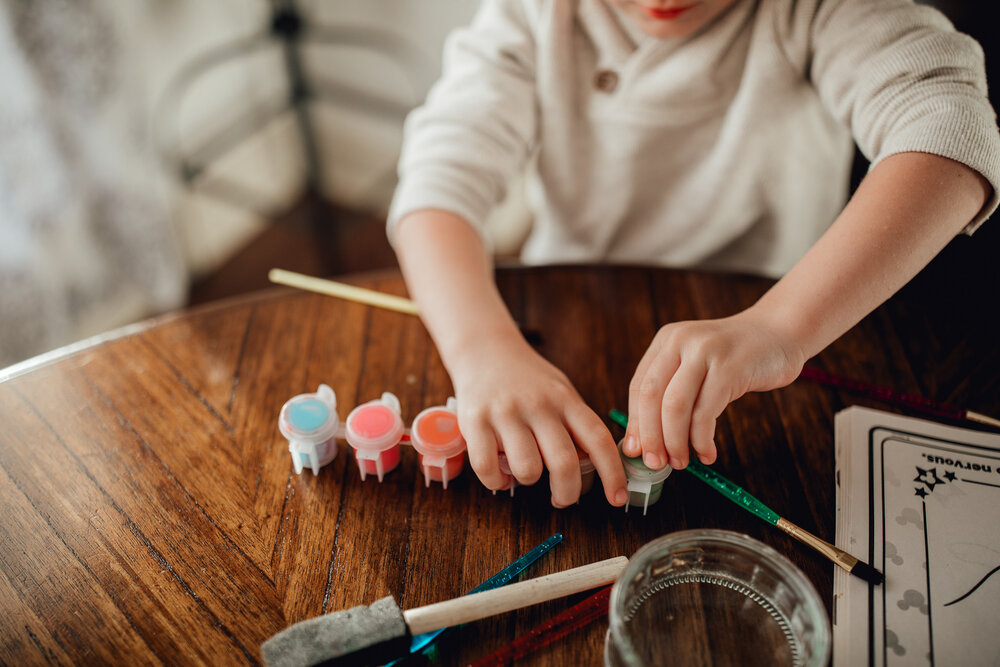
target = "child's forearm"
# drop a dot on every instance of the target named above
(450, 276)
(904, 212)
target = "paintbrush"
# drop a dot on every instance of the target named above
(741, 497)
(578, 616)
(381, 632)
(343, 291)
(918, 403)
(502, 578)
(363, 295)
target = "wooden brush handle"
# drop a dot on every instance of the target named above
(477, 606)
(343, 291)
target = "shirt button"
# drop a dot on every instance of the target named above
(606, 81)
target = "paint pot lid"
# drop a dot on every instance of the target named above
(636, 470)
(435, 433)
(586, 465)
(374, 426)
(309, 418)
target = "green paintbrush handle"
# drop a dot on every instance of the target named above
(727, 488)
(732, 491)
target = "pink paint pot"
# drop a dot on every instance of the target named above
(374, 430)
(440, 445)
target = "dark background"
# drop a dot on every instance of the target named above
(966, 275)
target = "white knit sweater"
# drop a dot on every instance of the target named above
(728, 149)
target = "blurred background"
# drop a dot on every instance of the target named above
(159, 154)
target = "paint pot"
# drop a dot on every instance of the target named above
(374, 430)
(310, 424)
(644, 484)
(439, 444)
(714, 597)
(587, 473)
(504, 466)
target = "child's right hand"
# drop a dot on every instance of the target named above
(691, 372)
(510, 399)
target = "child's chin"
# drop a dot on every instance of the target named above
(667, 29)
(666, 32)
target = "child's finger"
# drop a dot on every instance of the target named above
(593, 437)
(520, 445)
(712, 400)
(561, 460)
(482, 446)
(676, 408)
(645, 404)
(630, 445)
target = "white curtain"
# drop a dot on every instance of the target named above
(86, 241)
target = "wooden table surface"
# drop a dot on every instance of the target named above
(150, 511)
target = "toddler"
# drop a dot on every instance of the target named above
(694, 133)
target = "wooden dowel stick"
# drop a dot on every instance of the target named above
(982, 419)
(477, 606)
(349, 292)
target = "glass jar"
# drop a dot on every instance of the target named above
(714, 597)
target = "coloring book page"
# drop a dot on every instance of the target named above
(921, 503)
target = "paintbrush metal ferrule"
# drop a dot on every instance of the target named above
(851, 564)
(838, 556)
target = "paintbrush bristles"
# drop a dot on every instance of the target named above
(868, 573)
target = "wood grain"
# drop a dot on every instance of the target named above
(150, 512)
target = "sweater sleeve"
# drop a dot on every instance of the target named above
(902, 79)
(476, 128)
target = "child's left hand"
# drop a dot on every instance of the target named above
(691, 372)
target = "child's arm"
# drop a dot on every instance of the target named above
(904, 212)
(509, 397)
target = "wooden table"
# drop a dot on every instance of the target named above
(150, 512)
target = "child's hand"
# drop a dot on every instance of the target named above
(512, 400)
(691, 372)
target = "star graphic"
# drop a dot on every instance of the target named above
(950, 476)
(928, 478)
(920, 492)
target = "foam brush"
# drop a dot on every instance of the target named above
(381, 632)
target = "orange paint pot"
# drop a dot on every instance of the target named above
(451, 469)
(440, 445)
